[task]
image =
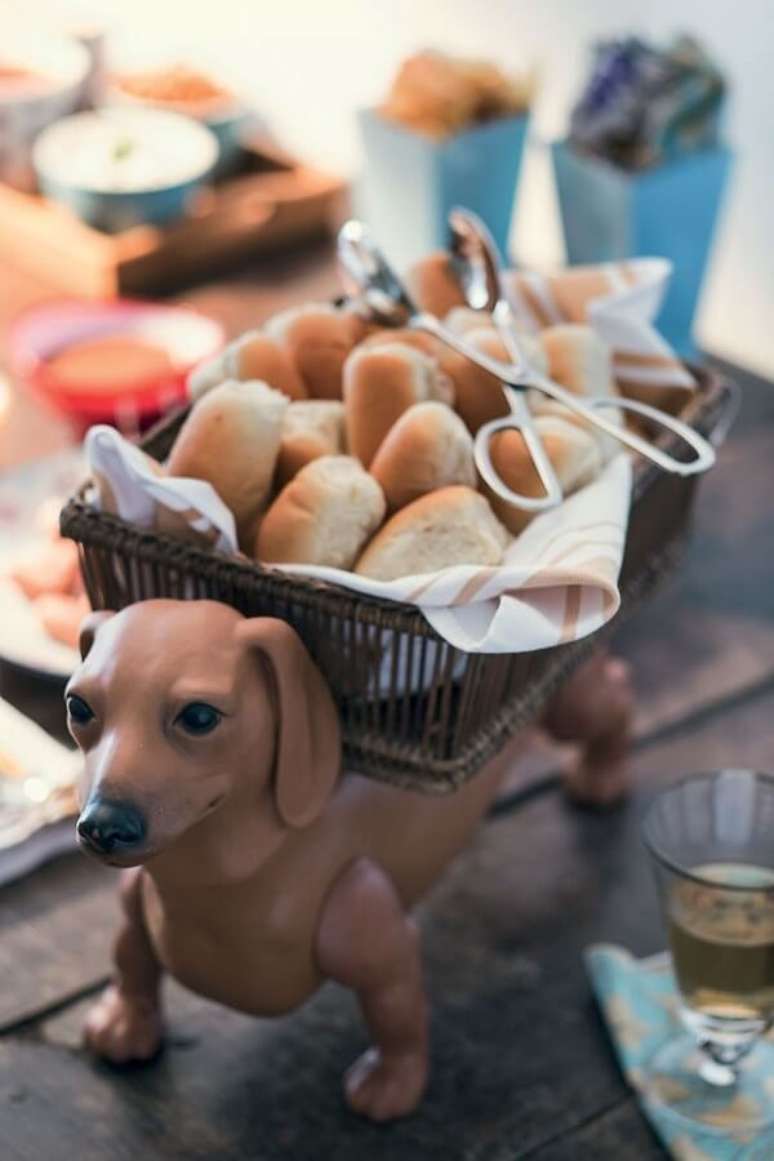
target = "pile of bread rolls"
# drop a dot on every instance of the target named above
(338, 443)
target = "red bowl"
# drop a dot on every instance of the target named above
(43, 332)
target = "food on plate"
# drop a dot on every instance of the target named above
(437, 95)
(453, 525)
(319, 337)
(311, 428)
(574, 454)
(51, 566)
(427, 448)
(177, 86)
(48, 575)
(61, 615)
(18, 81)
(122, 150)
(380, 383)
(253, 355)
(231, 438)
(324, 516)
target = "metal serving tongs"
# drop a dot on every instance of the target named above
(474, 258)
(388, 302)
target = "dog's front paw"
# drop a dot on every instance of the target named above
(384, 1087)
(123, 1029)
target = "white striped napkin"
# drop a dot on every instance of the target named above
(620, 301)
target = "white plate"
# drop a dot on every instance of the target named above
(23, 640)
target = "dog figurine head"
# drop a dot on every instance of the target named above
(186, 710)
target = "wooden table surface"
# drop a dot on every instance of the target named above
(521, 1064)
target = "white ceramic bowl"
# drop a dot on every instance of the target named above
(59, 69)
(121, 167)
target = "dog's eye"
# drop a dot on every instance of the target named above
(198, 718)
(79, 710)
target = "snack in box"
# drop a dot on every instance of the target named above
(436, 94)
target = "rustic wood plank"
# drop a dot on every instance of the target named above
(619, 1132)
(55, 934)
(520, 1056)
(710, 630)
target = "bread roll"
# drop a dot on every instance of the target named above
(380, 383)
(427, 448)
(454, 525)
(580, 361)
(323, 516)
(419, 340)
(253, 355)
(318, 337)
(311, 428)
(433, 284)
(574, 453)
(231, 438)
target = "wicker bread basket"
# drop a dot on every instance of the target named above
(414, 710)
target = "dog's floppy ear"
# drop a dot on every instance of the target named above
(89, 628)
(308, 740)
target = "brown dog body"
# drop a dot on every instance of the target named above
(262, 870)
(250, 942)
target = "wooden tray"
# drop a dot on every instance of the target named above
(270, 203)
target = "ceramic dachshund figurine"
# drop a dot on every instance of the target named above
(254, 869)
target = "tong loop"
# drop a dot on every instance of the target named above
(519, 420)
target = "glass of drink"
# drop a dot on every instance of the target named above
(711, 837)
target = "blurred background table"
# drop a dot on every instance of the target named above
(521, 1065)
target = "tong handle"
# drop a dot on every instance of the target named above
(705, 455)
(588, 408)
(705, 452)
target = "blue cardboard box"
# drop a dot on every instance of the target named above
(669, 211)
(411, 182)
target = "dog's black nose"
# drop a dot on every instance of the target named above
(108, 825)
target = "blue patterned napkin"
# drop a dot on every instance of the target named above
(639, 1002)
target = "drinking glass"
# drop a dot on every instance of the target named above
(711, 838)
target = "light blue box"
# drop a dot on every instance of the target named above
(669, 211)
(410, 182)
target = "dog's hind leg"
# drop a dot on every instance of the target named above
(125, 1023)
(367, 942)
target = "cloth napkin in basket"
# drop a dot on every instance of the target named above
(639, 1002)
